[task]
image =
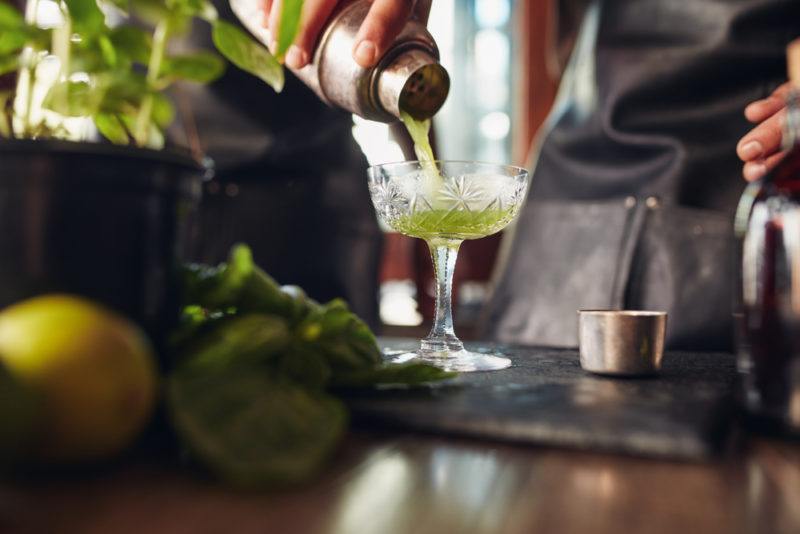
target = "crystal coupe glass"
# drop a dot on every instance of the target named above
(444, 203)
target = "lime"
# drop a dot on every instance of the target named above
(93, 370)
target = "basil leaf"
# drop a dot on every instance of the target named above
(112, 128)
(236, 341)
(247, 54)
(108, 51)
(12, 40)
(90, 56)
(150, 11)
(10, 17)
(8, 64)
(72, 99)
(5, 121)
(289, 24)
(163, 110)
(134, 44)
(202, 67)
(304, 366)
(250, 430)
(192, 8)
(124, 91)
(86, 15)
(155, 136)
(224, 287)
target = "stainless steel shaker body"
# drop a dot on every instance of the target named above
(408, 76)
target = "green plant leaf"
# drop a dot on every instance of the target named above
(163, 110)
(178, 14)
(289, 24)
(88, 57)
(201, 67)
(72, 99)
(10, 17)
(8, 64)
(123, 91)
(5, 121)
(150, 11)
(247, 54)
(134, 44)
(108, 51)
(304, 366)
(194, 8)
(240, 340)
(112, 128)
(86, 15)
(155, 136)
(12, 40)
(251, 430)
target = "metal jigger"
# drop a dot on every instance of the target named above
(408, 76)
(621, 342)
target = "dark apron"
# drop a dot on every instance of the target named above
(637, 177)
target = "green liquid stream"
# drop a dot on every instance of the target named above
(419, 130)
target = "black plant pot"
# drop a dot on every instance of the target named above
(109, 223)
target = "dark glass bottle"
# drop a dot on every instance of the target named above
(768, 226)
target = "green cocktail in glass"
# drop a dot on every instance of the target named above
(444, 203)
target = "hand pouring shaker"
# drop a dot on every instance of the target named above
(407, 77)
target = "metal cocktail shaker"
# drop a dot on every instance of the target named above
(408, 76)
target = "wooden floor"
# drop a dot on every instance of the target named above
(402, 483)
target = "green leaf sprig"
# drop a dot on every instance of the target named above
(118, 75)
(256, 371)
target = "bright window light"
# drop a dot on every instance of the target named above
(492, 13)
(495, 125)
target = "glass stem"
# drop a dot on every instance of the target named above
(442, 337)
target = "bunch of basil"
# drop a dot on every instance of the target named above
(117, 74)
(257, 367)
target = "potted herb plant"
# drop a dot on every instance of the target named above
(109, 220)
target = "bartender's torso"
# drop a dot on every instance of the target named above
(637, 176)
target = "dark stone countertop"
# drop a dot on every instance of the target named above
(545, 398)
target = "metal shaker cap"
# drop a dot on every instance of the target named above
(408, 75)
(412, 81)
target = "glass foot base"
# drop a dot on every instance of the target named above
(462, 361)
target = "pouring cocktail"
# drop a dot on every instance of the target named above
(444, 203)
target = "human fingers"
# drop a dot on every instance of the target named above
(753, 170)
(761, 110)
(273, 23)
(384, 21)
(315, 14)
(763, 140)
(265, 7)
